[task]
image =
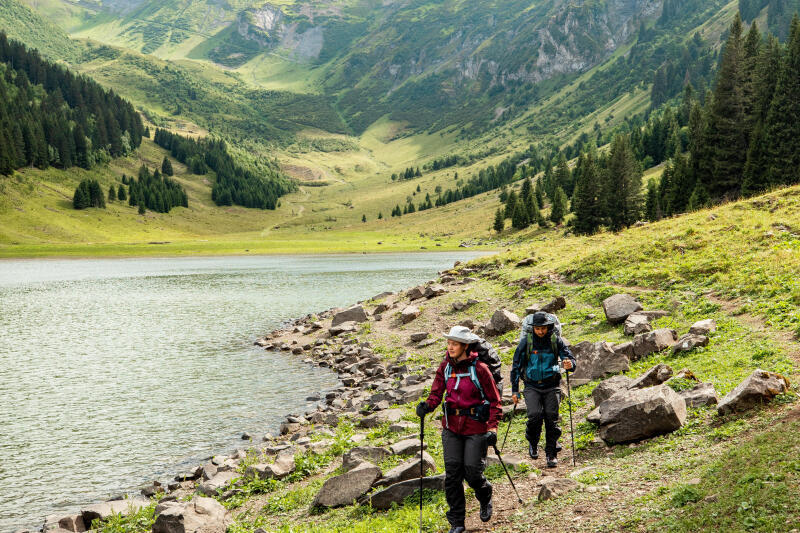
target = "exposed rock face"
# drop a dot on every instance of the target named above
(703, 327)
(351, 314)
(406, 447)
(408, 470)
(757, 388)
(655, 341)
(655, 376)
(502, 321)
(553, 488)
(641, 413)
(416, 293)
(637, 323)
(409, 313)
(411, 393)
(618, 307)
(348, 487)
(700, 395)
(363, 454)
(596, 360)
(606, 389)
(201, 515)
(689, 342)
(383, 500)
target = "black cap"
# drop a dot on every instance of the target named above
(541, 319)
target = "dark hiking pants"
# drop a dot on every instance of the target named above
(542, 406)
(464, 459)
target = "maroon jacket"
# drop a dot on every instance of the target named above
(467, 395)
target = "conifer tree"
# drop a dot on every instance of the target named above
(558, 209)
(112, 193)
(363, 218)
(519, 217)
(625, 185)
(539, 191)
(166, 167)
(121, 193)
(79, 199)
(499, 221)
(563, 176)
(586, 201)
(380, 215)
(652, 207)
(511, 203)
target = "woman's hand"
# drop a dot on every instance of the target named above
(515, 398)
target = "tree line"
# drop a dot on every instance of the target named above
(52, 117)
(235, 185)
(408, 174)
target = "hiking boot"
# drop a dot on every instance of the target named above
(486, 508)
(552, 462)
(533, 451)
(558, 447)
(457, 529)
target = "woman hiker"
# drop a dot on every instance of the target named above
(538, 360)
(469, 425)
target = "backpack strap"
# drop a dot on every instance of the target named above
(471, 372)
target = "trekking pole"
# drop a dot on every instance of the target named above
(421, 465)
(571, 428)
(507, 474)
(511, 419)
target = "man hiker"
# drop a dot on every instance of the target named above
(469, 423)
(538, 360)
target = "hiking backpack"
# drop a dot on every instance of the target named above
(487, 355)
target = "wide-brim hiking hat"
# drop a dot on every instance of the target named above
(542, 319)
(461, 334)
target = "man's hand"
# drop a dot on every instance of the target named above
(515, 398)
(567, 364)
(423, 409)
(491, 439)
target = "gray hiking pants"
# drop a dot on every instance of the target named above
(464, 459)
(542, 407)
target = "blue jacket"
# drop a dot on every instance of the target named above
(539, 368)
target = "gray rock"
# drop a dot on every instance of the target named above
(416, 293)
(363, 454)
(460, 306)
(345, 327)
(609, 387)
(703, 327)
(619, 307)
(411, 393)
(282, 467)
(219, 481)
(72, 523)
(381, 308)
(689, 342)
(351, 314)
(594, 416)
(348, 487)
(756, 389)
(402, 427)
(502, 321)
(209, 470)
(407, 470)
(427, 342)
(390, 415)
(190, 475)
(511, 461)
(103, 511)
(409, 313)
(637, 414)
(201, 515)
(636, 323)
(467, 323)
(556, 487)
(418, 336)
(433, 291)
(596, 360)
(553, 306)
(397, 493)
(625, 348)
(700, 395)
(646, 343)
(655, 376)
(406, 447)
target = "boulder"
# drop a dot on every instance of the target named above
(594, 416)
(689, 342)
(528, 261)
(416, 293)
(646, 343)
(345, 327)
(403, 427)
(636, 323)
(104, 510)
(609, 387)
(351, 314)
(363, 454)
(409, 313)
(596, 360)
(418, 336)
(556, 487)
(201, 515)
(502, 321)
(389, 415)
(397, 493)
(553, 306)
(406, 447)
(757, 388)
(433, 291)
(344, 489)
(511, 461)
(381, 308)
(637, 414)
(72, 523)
(427, 342)
(407, 470)
(619, 307)
(625, 348)
(703, 327)
(219, 481)
(700, 395)
(282, 467)
(411, 393)
(460, 306)
(655, 376)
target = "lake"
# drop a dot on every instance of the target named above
(120, 371)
